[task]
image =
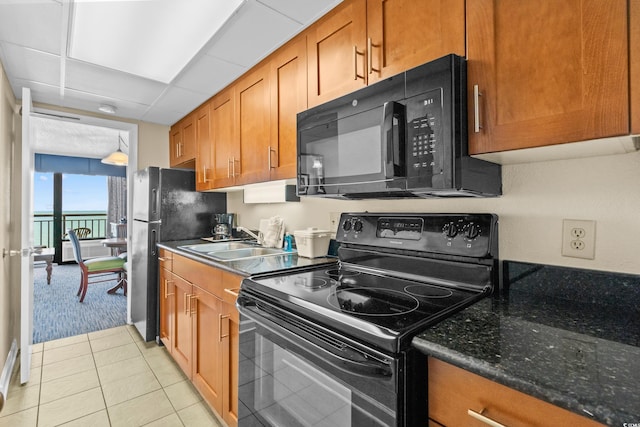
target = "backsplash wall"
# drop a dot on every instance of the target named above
(536, 198)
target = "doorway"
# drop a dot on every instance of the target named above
(80, 137)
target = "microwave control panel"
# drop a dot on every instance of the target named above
(425, 152)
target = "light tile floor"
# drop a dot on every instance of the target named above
(105, 378)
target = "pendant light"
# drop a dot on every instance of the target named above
(117, 158)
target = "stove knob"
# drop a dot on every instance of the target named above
(472, 231)
(346, 225)
(357, 226)
(450, 230)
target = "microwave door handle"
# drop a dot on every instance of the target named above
(393, 136)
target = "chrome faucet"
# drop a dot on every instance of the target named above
(258, 236)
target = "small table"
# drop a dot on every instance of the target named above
(45, 254)
(116, 243)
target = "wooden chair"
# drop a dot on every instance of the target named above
(81, 232)
(99, 268)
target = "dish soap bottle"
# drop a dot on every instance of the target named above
(288, 242)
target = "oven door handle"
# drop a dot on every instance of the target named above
(344, 363)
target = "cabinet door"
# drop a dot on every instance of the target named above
(548, 72)
(175, 142)
(204, 149)
(167, 307)
(207, 363)
(230, 363)
(402, 34)
(225, 144)
(252, 118)
(634, 61)
(288, 98)
(188, 150)
(182, 337)
(336, 48)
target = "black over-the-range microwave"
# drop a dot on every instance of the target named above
(405, 136)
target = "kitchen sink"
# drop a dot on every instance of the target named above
(231, 251)
(205, 248)
(237, 254)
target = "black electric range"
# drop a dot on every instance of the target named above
(349, 326)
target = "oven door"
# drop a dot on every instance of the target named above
(288, 379)
(364, 151)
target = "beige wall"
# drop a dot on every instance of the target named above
(537, 197)
(8, 289)
(153, 145)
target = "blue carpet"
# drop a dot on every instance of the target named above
(57, 312)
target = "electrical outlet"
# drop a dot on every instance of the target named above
(579, 238)
(334, 221)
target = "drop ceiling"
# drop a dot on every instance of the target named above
(86, 53)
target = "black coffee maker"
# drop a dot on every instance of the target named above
(225, 223)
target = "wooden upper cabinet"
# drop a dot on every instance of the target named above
(336, 49)
(182, 141)
(253, 125)
(288, 68)
(225, 143)
(402, 34)
(634, 61)
(547, 72)
(204, 149)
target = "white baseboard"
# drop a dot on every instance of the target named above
(5, 377)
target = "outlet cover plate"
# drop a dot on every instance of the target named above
(571, 229)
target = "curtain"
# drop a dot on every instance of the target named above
(117, 207)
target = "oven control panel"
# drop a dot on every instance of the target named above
(472, 235)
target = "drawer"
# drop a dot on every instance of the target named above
(206, 277)
(454, 391)
(165, 259)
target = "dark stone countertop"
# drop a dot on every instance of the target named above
(250, 266)
(568, 336)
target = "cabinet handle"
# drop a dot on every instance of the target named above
(269, 151)
(476, 109)
(193, 309)
(233, 292)
(222, 318)
(204, 174)
(177, 150)
(370, 47)
(234, 166)
(488, 421)
(161, 259)
(355, 63)
(229, 167)
(186, 310)
(166, 287)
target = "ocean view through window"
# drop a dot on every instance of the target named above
(84, 204)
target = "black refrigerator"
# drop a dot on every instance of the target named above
(165, 207)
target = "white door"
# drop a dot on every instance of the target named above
(26, 260)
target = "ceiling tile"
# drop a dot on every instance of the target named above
(32, 24)
(90, 102)
(29, 64)
(180, 100)
(115, 84)
(208, 75)
(162, 116)
(303, 11)
(42, 93)
(251, 34)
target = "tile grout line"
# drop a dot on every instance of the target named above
(95, 366)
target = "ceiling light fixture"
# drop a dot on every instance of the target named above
(117, 158)
(106, 108)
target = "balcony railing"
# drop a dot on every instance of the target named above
(43, 226)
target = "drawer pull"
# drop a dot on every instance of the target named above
(166, 288)
(488, 421)
(233, 292)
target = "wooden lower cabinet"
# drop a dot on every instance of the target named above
(454, 391)
(199, 325)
